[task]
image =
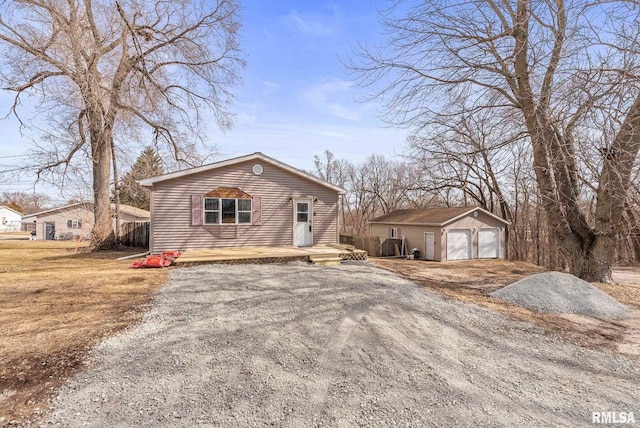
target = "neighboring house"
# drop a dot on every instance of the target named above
(130, 214)
(76, 220)
(445, 233)
(252, 200)
(9, 219)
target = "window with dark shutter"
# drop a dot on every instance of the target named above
(196, 210)
(257, 210)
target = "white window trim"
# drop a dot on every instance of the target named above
(219, 211)
(238, 211)
(393, 232)
(205, 211)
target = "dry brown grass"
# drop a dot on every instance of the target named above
(58, 301)
(472, 281)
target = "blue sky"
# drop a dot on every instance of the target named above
(295, 100)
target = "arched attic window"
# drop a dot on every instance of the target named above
(226, 205)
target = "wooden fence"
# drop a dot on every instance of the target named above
(392, 247)
(135, 234)
(371, 244)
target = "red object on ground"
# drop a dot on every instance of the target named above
(163, 260)
(171, 255)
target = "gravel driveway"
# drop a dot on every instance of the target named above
(299, 345)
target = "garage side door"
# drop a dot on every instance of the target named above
(488, 243)
(458, 244)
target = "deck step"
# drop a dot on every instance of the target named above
(325, 259)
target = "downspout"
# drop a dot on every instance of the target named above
(151, 205)
(339, 208)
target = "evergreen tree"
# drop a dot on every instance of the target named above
(147, 165)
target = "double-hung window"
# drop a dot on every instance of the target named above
(211, 210)
(74, 224)
(244, 211)
(227, 211)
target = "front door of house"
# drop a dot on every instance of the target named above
(50, 230)
(302, 233)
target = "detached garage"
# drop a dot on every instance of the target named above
(445, 234)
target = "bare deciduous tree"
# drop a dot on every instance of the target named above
(375, 186)
(467, 153)
(95, 66)
(332, 170)
(568, 68)
(28, 203)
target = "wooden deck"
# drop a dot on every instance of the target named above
(316, 253)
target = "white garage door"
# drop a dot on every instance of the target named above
(488, 243)
(458, 244)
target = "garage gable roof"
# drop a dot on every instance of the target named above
(149, 182)
(134, 211)
(431, 216)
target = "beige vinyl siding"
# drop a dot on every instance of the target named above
(85, 214)
(60, 219)
(413, 236)
(171, 209)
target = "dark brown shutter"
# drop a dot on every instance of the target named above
(196, 210)
(256, 206)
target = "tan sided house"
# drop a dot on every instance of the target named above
(445, 233)
(252, 200)
(75, 221)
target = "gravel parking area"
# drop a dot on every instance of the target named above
(352, 345)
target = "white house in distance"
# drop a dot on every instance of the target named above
(9, 219)
(76, 220)
(445, 234)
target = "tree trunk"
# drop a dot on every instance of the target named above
(635, 246)
(101, 155)
(599, 259)
(554, 163)
(116, 196)
(590, 260)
